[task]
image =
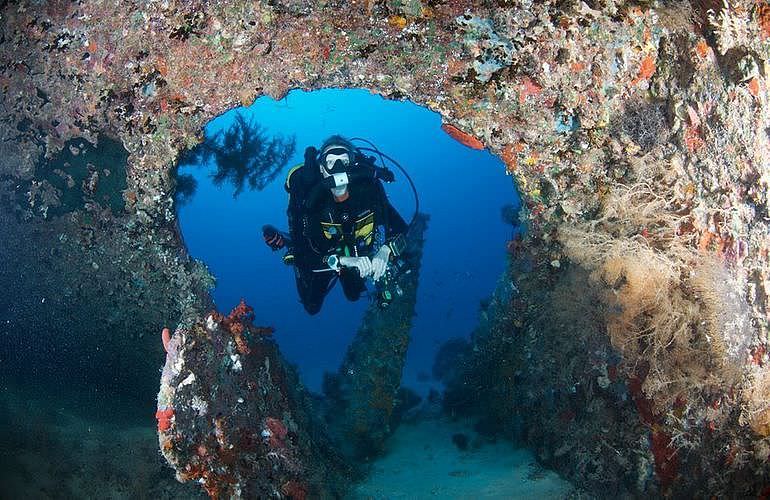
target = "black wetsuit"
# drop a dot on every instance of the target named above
(358, 226)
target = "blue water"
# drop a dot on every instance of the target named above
(461, 189)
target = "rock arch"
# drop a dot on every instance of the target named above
(637, 137)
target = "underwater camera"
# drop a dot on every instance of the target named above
(390, 288)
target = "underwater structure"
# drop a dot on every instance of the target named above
(363, 394)
(231, 416)
(628, 342)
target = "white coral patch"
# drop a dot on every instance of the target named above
(188, 380)
(199, 405)
(236, 362)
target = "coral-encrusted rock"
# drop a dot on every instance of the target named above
(557, 88)
(235, 421)
(363, 395)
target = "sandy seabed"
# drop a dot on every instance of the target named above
(80, 446)
(64, 446)
(423, 462)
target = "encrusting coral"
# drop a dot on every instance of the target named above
(231, 416)
(543, 84)
(239, 323)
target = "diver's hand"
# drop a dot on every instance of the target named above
(273, 237)
(363, 264)
(310, 157)
(385, 174)
(380, 262)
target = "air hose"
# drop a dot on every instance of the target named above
(383, 156)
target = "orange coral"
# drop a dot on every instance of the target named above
(162, 66)
(692, 139)
(510, 156)
(647, 35)
(462, 137)
(577, 67)
(164, 418)
(238, 322)
(455, 66)
(278, 432)
(702, 49)
(753, 86)
(165, 336)
(646, 70)
(763, 17)
(528, 88)
(397, 21)
(241, 344)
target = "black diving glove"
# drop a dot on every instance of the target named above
(369, 171)
(273, 237)
(369, 164)
(385, 174)
(309, 170)
(311, 154)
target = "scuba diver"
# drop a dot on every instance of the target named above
(341, 224)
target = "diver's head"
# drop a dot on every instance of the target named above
(337, 154)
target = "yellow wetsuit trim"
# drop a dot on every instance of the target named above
(330, 229)
(365, 228)
(291, 171)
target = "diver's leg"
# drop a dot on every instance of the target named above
(352, 284)
(312, 288)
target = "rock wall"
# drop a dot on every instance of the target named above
(637, 136)
(230, 414)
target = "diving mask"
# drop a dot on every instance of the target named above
(334, 163)
(334, 159)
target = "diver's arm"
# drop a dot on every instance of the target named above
(391, 229)
(298, 183)
(310, 173)
(392, 222)
(304, 256)
(294, 211)
(296, 224)
(312, 247)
